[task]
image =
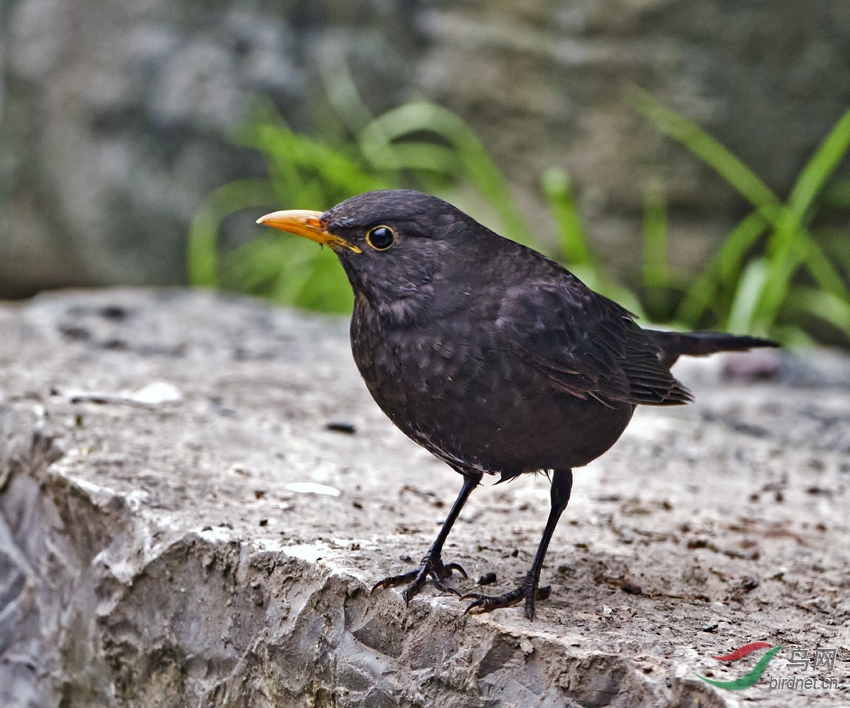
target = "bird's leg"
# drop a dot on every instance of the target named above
(562, 484)
(432, 564)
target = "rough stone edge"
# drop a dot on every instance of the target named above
(89, 558)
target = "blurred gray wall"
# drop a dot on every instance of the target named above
(115, 114)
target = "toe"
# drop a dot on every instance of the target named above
(455, 566)
(472, 596)
(478, 607)
(392, 581)
(440, 585)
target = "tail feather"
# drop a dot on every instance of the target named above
(672, 345)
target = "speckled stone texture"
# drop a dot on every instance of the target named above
(158, 547)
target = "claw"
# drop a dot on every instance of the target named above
(393, 580)
(440, 585)
(527, 590)
(479, 607)
(488, 603)
(457, 567)
(471, 595)
(430, 567)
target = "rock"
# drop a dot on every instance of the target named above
(116, 116)
(183, 549)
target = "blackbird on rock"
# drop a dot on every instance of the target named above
(489, 355)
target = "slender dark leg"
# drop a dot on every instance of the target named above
(562, 484)
(432, 563)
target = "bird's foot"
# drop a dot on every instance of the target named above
(431, 567)
(527, 591)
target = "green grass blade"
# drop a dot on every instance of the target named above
(712, 152)
(820, 167)
(820, 304)
(788, 250)
(656, 267)
(721, 274)
(779, 271)
(295, 267)
(792, 336)
(202, 255)
(824, 273)
(790, 244)
(746, 298)
(336, 169)
(699, 298)
(416, 156)
(257, 266)
(327, 288)
(290, 271)
(733, 252)
(571, 238)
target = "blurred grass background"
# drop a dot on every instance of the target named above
(777, 273)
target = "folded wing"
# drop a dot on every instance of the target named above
(586, 344)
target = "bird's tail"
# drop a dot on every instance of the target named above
(672, 345)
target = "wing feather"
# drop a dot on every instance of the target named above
(585, 344)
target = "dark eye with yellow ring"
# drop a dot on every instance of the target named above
(381, 238)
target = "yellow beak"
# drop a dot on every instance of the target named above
(308, 224)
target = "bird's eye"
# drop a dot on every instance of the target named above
(381, 238)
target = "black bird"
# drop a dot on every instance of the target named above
(489, 355)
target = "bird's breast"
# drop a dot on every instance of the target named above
(450, 387)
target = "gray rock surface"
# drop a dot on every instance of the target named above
(116, 115)
(158, 546)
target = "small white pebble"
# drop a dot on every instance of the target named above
(159, 392)
(312, 488)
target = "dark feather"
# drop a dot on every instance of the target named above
(609, 358)
(672, 345)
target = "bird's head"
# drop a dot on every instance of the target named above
(393, 244)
